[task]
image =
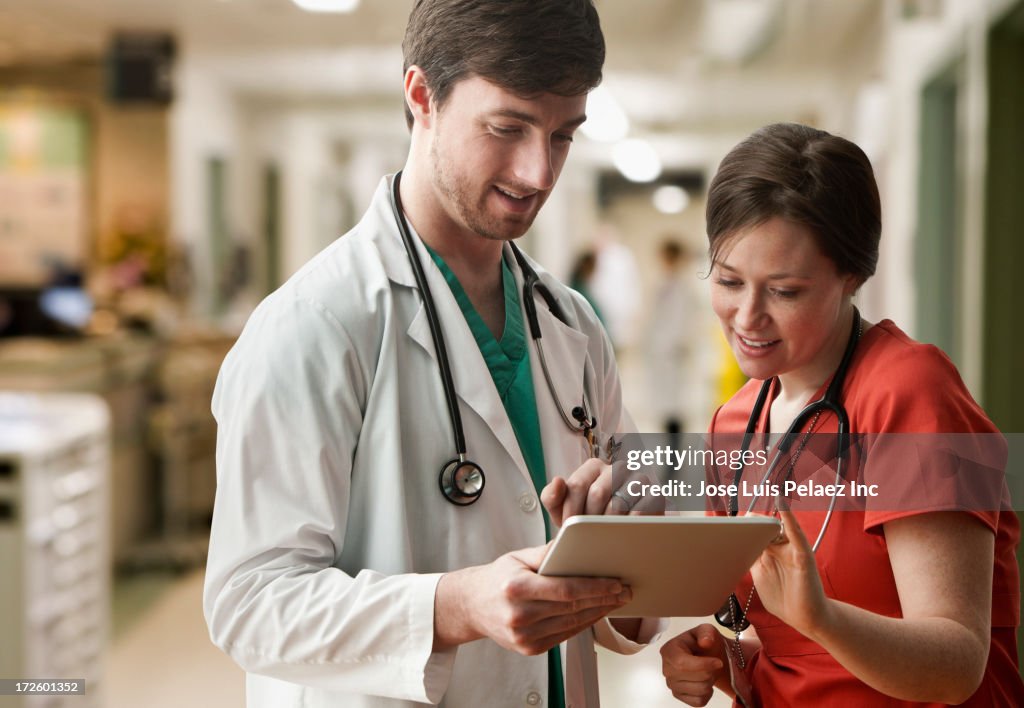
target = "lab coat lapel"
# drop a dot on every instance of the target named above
(379, 223)
(472, 379)
(565, 349)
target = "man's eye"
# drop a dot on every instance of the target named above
(502, 130)
(563, 138)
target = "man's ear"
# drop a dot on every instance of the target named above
(418, 97)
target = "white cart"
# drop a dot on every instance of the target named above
(54, 543)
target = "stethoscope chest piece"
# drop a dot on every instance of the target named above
(462, 481)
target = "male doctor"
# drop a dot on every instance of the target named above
(339, 573)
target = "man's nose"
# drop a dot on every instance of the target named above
(533, 165)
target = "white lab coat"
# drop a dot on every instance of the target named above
(670, 331)
(330, 532)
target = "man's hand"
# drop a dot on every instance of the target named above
(589, 490)
(693, 663)
(524, 612)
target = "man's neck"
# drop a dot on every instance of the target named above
(475, 260)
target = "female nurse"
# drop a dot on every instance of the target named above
(896, 607)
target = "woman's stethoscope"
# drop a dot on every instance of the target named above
(828, 402)
(462, 480)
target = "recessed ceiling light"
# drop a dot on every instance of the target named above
(338, 6)
(636, 160)
(670, 199)
(606, 121)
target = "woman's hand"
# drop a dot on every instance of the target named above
(693, 663)
(787, 579)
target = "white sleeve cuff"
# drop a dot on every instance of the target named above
(438, 665)
(607, 636)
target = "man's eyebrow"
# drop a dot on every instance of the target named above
(532, 120)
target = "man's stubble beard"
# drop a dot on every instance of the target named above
(457, 192)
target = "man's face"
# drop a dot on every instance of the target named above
(495, 156)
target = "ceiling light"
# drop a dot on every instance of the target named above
(636, 160)
(737, 30)
(670, 199)
(327, 5)
(606, 121)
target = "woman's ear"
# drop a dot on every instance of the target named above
(852, 284)
(418, 97)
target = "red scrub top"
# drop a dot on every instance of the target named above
(894, 385)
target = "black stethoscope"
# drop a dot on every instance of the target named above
(462, 480)
(828, 402)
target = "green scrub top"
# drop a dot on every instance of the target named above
(509, 363)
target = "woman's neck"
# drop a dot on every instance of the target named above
(797, 387)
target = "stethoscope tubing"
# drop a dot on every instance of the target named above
(447, 381)
(531, 285)
(828, 402)
(801, 418)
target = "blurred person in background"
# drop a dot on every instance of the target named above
(668, 337)
(581, 276)
(343, 569)
(615, 286)
(896, 607)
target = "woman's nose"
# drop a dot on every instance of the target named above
(750, 313)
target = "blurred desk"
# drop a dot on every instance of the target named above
(183, 434)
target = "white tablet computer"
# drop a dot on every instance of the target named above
(677, 566)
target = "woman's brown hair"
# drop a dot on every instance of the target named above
(803, 175)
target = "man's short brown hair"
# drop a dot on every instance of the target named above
(528, 47)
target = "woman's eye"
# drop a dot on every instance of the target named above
(726, 283)
(785, 294)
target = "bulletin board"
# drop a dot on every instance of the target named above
(43, 182)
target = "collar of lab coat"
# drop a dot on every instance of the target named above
(564, 346)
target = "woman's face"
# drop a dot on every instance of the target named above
(783, 306)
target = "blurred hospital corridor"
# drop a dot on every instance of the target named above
(166, 166)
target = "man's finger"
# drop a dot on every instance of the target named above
(600, 491)
(553, 497)
(647, 504)
(579, 487)
(557, 629)
(618, 504)
(532, 557)
(554, 589)
(553, 608)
